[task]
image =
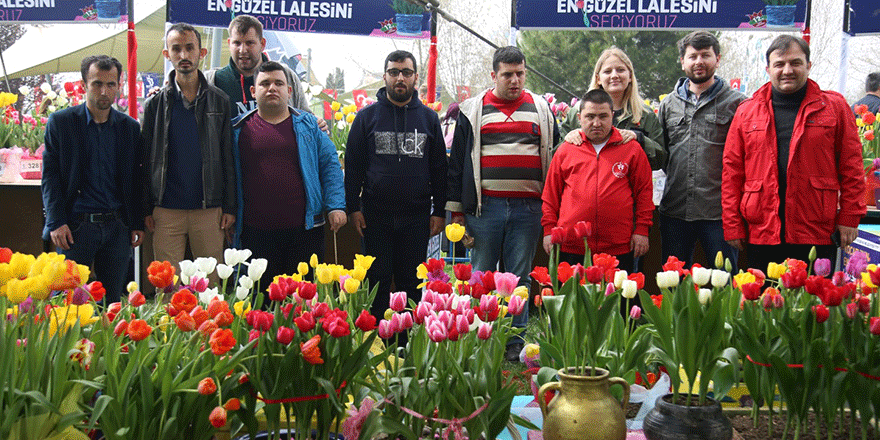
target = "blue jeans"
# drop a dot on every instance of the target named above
(507, 228)
(107, 245)
(680, 236)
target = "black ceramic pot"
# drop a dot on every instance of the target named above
(668, 421)
(265, 435)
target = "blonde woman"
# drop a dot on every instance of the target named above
(635, 120)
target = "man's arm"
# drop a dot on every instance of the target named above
(661, 118)
(330, 173)
(457, 158)
(147, 126)
(355, 162)
(653, 141)
(643, 203)
(230, 198)
(732, 182)
(552, 197)
(439, 168)
(53, 187)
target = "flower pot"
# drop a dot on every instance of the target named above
(584, 408)
(780, 16)
(409, 24)
(284, 435)
(669, 421)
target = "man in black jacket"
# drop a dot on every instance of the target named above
(93, 207)
(395, 179)
(190, 168)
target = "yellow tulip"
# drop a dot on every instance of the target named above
(388, 314)
(743, 278)
(313, 261)
(349, 118)
(302, 268)
(422, 272)
(338, 116)
(364, 261)
(16, 290)
(62, 318)
(351, 285)
(335, 106)
(20, 264)
(241, 308)
(454, 232)
(775, 270)
(131, 287)
(164, 320)
(860, 122)
(532, 350)
(719, 260)
(359, 273)
(324, 274)
(521, 291)
(5, 273)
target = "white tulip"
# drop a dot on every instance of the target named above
(230, 257)
(704, 296)
(63, 93)
(246, 281)
(206, 265)
(61, 100)
(667, 279)
(52, 108)
(24, 90)
(257, 267)
(51, 94)
(630, 288)
(224, 271)
(619, 278)
(208, 295)
(242, 292)
(719, 278)
(45, 87)
(701, 275)
(244, 254)
(187, 270)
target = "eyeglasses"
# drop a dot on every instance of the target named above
(395, 72)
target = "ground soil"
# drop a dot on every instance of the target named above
(744, 426)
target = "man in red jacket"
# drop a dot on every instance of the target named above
(604, 181)
(793, 175)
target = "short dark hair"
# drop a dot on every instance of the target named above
(103, 62)
(596, 96)
(243, 23)
(271, 66)
(784, 43)
(184, 27)
(699, 40)
(507, 55)
(398, 56)
(872, 83)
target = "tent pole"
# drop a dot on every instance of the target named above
(132, 64)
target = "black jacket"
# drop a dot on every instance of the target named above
(395, 158)
(64, 159)
(215, 136)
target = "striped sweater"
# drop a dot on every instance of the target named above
(510, 159)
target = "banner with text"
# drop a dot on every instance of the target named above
(864, 18)
(660, 14)
(63, 11)
(352, 17)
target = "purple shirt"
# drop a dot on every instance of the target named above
(272, 182)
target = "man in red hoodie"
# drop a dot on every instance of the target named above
(604, 181)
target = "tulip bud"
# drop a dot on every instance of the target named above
(635, 312)
(727, 265)
(812, 255)
(719, 260)
(485, 331)
(619, 277)
(821, 313)
(609, 289)
(705, 295)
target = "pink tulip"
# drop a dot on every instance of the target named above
(423, 310)
(505, 283)
(469, 314)
(429, 296)
(852, 310)
(385, 329)
(447, 318)
(489, 303)
(406, 321)
(436, 330)
(398, 301)
(635, 312)
(395, 323)
(485, 331)
(609, 289)
(461, 324)
(442, 301)
(516, 305)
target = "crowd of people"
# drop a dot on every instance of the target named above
(235, 155)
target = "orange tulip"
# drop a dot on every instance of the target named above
(207, 386)
(160, 274)
(868, 118)
(216, 307)
(184, 301)
(232, 404)
(310, 350)
(138, 330)
(185, 322)
(218, 417)
(222, 341)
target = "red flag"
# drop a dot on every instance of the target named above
(360, 98)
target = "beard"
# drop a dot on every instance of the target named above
(700, 79)
(396, 96)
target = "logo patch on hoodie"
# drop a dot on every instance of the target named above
(410, 144)
(619, 169)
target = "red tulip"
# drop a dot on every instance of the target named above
(557, 235)
(874, 326)
(821, 313)
(218, 417)
(365, 321)
(751, 291)
(207, 386)
(462, 272)
(583, 229)
(136, 298)
(285, 335)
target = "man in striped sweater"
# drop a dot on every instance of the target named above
(500, 155)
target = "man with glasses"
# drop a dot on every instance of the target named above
(395, 180)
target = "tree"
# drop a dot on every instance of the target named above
(8, 36)
(336, 80)
(464, 60)
(568, 57)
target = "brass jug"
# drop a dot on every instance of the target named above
(584, 408)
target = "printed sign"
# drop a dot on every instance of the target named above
(352, 17)
(658, 14)
(63, 11)
(864, 17)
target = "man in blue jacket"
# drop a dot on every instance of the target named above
(93, 206)
(289, 174)
(395, 180)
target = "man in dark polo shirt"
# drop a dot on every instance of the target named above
(290, 175)
(190, 178)
(92, 205)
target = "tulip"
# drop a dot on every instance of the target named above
(719, 278)
(313, 261)
(821, 313)
(285, 335)
(462, 272)
(224, 271)
(257, 267)
(138, 330)
(635, 312)
(667, 279)
(185, 322)
(864, 303)
(209, 295)
(384, 329)
(505, 283)
(874, 326)
(516, 305)
(593, 274)
(232, 404)
(839, 278)
(751, 291)
(461, 324)
(852, 310)
(437, 332)
(619, 277)
(311, 351)
(485, 331)
(454, 232)
(822, 267)
(701, 275)
(206, 264)
(557, 235)
(719, 260)
(136, 299)
(630, 289)
(704, 296)
(583, 229)
(218, 417)
(351, 285)
(207, 386)
(398, 301)
(246, 281)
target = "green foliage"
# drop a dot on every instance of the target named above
(568, 57)
(336, 80)
(405, 7)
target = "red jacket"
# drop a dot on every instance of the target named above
(611, 189)
(825, 176)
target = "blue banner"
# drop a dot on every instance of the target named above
(865, 17)
(659, 14)
(63, 11)
(352, 17)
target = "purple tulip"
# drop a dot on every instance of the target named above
(822, 267)
(857, 264)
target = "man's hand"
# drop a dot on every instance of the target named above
(737, 244)
(847, 235)
(548, 244)
(458, 218)
(437, 225)
(150, 223)
(62, 237)
(137, 237)
(322, 124)
(638, 244)
(574, 137)
(357, 219)
(628, 135)
(226, 221)
(337, 219)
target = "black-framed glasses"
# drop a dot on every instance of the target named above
(395, 72)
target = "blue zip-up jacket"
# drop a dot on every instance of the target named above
(319, 164)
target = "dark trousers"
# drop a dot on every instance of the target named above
(624, 262)
(284, 249)
(106, 246)
(399, 241)
(760, 256)
(680, 236)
